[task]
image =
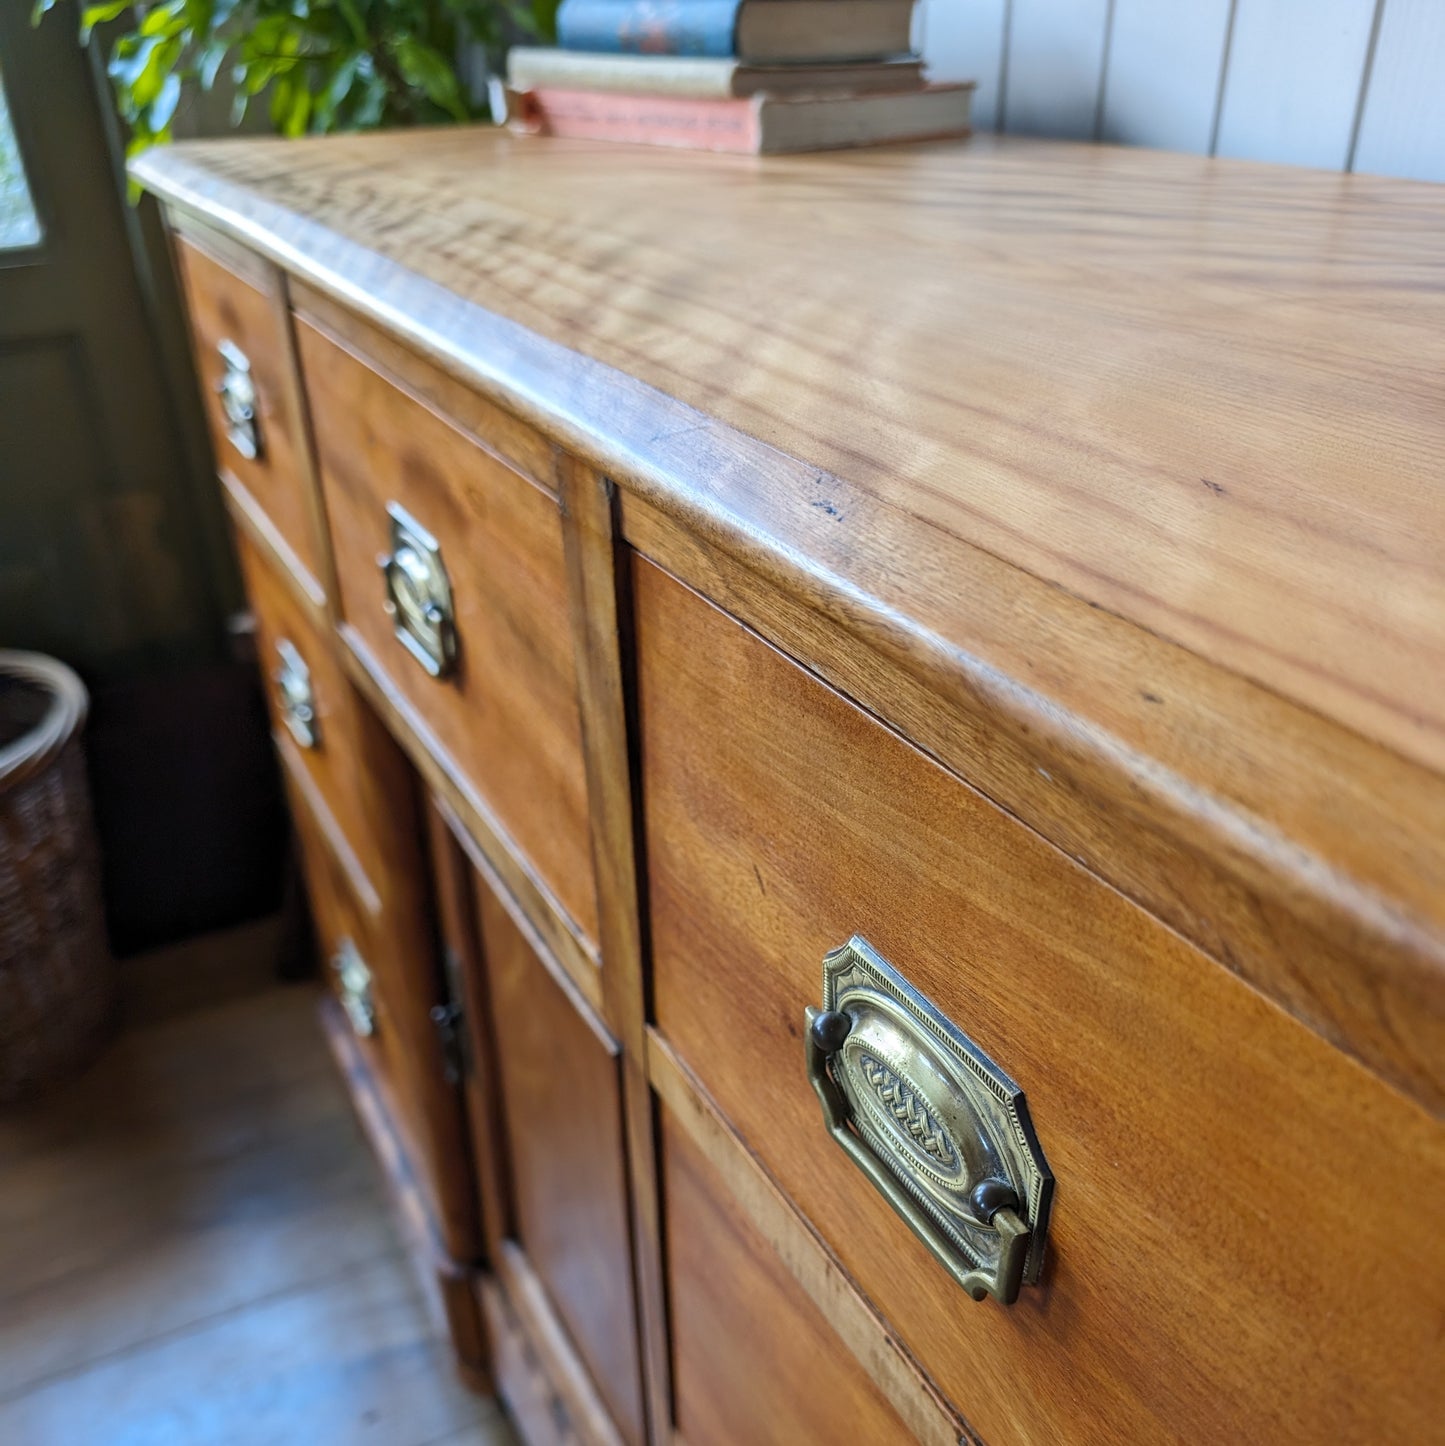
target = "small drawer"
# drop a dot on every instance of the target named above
(351, 764)
(753, 1359)
(452, 576)
(382, 966)
(351, 964)
(1229, 1255)
(238, 330)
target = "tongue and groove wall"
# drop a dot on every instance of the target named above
(1339, 84)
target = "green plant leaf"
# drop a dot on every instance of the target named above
(160, 60)
(130, 58)
(299, 112)
(430, 72)
(209, 61)
(373, 103)
(94, 15)
(337, 88)
(163, 19)
(163, 107)
(352, 16)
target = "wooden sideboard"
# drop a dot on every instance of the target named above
(1012, 572)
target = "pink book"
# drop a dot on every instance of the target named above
(749, 125)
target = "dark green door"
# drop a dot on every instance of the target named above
(107, 557)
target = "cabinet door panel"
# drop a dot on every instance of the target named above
(562, 1112)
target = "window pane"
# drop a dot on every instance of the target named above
(19, 225)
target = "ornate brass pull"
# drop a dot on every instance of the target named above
(354, 988)
(294, 696)
(237, 390)
(940, 1130)
(419, 593)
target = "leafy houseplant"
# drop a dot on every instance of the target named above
(325, 65)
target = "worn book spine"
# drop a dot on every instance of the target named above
(650, 27)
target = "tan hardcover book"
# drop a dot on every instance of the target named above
(700, 77)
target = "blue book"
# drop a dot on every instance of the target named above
(758, 31)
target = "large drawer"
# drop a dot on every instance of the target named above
(238, 330)
(1239, 1246)
(402, 483)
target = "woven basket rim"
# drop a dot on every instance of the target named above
(64, 717)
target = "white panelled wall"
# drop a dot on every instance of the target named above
(1343, 84)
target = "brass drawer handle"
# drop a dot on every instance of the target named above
(419, 593)
(237, 390)
(294, 696)
(353, 980)
(940, 1130)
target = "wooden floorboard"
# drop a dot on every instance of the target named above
(195, 1248)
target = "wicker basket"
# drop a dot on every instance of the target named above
(57, 980)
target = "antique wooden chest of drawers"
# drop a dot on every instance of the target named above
(868, 739)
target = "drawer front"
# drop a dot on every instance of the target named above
(1213, 1270)
(323, 724)
(345, 931)
(753, 1358)
(505, 712)
(562, 1114)
(243, 364)
(382, 964)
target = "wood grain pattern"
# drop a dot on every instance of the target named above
(1275, 574)
(1251, 895)
(521, 447)
(756, 1360)
(755, 1198)
(1237, 364)
(223, 306)
(508, 715)
(1198, 1134)
(563, 1111)
(596, 565)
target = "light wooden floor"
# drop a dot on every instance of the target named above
(195, 1250)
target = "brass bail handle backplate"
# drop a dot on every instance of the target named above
(419, 593)
(354, 988)
(940, 1130)
(237, 390)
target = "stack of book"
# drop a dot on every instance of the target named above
(733, 75)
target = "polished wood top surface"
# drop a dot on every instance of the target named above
(1207, 396)
(1129, 461)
